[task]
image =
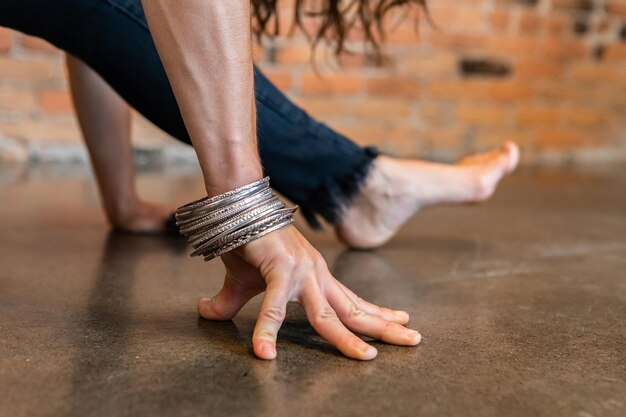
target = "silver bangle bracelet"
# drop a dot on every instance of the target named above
(216, 225)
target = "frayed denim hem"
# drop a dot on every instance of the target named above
(335, 193)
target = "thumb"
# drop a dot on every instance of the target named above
(227, 303)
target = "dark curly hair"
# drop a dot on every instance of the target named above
(336, 18)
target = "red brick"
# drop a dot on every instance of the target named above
(353, 60)
(513, 45)
(493, 137)
(538, 116)
(539, 68)
(530, 22)
(454, 15)
(403, 142)
(557, 24)
(324, 107)
(562, 48)
(17, 101)
(295, 54)
(62, 130)
(379, 108)
(281, 78)
(434, 115)
(564, 138)
(557, 103)
(561, 90)
(433, 65)
(603, 24)
(331, 83)
(455, 89)
(449, 139)
(364, 134)
(617, 7)
(615, 52)
(6, 39)
(311, 26)
(586, 117)
(483, 115)
(597, 73)
(499, 19)
(54, 101)
(258, 53)
(286, 19)
(510, 91)
(404, 17)
(406, 33)
(28, 70)
(577, 5)
(145, 134)
(403, 26)
(396, 86)
(453, 40)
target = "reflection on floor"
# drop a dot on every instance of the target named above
(521, 303)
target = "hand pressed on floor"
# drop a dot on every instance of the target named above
(138, 217)
(286, 266)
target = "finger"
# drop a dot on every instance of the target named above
(270, 319)
(369, 325)
(325, 321)
(397, 316)
(227, 303)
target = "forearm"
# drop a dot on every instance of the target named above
(104, 119)
(206, 50)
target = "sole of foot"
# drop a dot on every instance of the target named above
(396, 189)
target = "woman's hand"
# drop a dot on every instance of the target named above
(206, 49)
(286, 266)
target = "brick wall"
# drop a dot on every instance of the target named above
(549, 74)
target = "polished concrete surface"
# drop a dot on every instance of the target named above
(521, 303)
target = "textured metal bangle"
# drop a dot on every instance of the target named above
(219, 224)
(209, 217)
(214, 203)
(212, 235)
(208, 200)
(249, 238)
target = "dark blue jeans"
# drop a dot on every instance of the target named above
(309, 163)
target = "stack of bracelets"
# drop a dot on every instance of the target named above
(216, 225)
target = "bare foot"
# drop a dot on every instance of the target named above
(396, 189)
(143, 218)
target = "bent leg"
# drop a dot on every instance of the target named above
(312, 165)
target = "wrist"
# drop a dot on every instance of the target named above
(120, 203)
(218, 183)
(217, 225)
(117, 211)
(228, 164)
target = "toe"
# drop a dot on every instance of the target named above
(507, 156)
(513, 155)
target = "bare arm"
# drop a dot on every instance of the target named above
(104, 119)
(205, 47)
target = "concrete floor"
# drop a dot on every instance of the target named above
(521, 303)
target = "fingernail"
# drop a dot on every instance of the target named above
(369, 352)
(402, 315)
(268, 348)
(202, 303)
(414, 336)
